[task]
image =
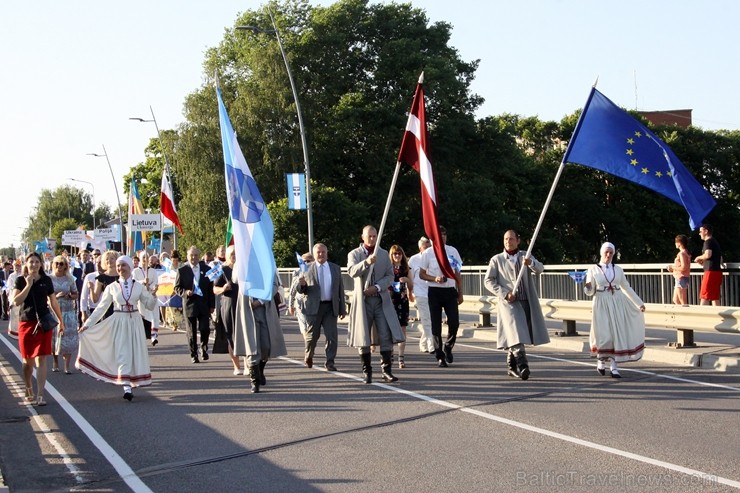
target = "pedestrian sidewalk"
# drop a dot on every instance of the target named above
(722, 357)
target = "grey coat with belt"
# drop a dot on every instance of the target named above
(361, 334)
(511, 320)
(245, 333)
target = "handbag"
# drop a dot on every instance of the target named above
(46, 321)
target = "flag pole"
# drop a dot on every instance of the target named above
(385, 216)
(552, 188)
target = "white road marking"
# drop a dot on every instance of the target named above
(542, 431)
(115, 460)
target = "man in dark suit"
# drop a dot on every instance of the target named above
(196, 291)
(322, 284)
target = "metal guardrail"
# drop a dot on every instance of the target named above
(685, 319)
(652, 282)
(562, 299)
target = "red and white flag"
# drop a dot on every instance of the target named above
(413, 153)
(167, 202)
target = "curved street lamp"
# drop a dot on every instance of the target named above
(93, 189)
(118, 197)
(309, 208)
(166, 163)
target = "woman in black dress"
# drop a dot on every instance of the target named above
(229, 292)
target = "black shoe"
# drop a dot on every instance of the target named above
(205, 356)
(448, 354)
(524, 373)
(615, 374)
(128, 396)
(194, 359)
(308, 362)
(602, 371)
(441, 363)
(330, 367)
(155, 342)
(388, 376)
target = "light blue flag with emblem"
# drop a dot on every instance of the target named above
(196, 288)
(251, 222)
(215, 272)
(610, 139)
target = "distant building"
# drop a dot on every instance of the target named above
(681, 118)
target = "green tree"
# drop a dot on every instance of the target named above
(66, 205)
(356, 66)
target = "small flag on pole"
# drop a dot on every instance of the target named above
(301, 263)
(215, 272)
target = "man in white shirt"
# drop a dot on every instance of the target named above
(421, 295)
(444, 294)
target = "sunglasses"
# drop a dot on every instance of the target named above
(60, 263)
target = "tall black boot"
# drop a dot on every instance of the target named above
(263, 381)
(367, 369)
(254, 378)
(386, 363)
(522, 365)
(511, 364)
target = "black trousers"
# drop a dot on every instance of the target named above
(443, 299)
(201, 323)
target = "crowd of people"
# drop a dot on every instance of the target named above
(105, 307)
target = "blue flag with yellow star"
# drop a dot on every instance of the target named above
(611, 140)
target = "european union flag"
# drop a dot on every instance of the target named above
(609, 139)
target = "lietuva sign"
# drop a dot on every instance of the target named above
(146, 222)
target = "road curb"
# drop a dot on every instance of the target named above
(708, 357)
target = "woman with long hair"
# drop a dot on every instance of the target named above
(400, 289)
(34, 295)
(65, 291)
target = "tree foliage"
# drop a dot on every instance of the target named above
(355, 67)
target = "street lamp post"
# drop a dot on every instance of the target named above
(93, 189)
(166, 163)
(118, 197)
(309, 208)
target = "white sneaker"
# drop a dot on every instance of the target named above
(237, 371)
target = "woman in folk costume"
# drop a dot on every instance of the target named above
(617, 322)
(114, 351)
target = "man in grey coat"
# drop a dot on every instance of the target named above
(257, 334)
(519, 320)
(373, 320)
(324, 302)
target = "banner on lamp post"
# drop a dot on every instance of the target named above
(296, 190)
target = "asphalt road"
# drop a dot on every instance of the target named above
(465, 428)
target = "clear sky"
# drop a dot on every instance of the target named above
(73, 73)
